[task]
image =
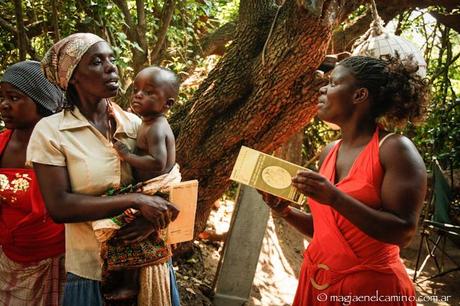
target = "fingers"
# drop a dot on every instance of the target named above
(135, 238)
(271, 200)
(162, 220)
(308, 175)
(158, 220)
(306, 189)
(131, 237)
(308, 182)
(139, 230)
(158, 211)
(173, 212)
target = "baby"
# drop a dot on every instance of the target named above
(154, 92)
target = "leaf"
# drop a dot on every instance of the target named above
(136, 45)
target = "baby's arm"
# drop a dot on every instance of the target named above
(156, 158)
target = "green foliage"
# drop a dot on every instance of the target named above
(192, 20)
(439, 136)
(316, 135)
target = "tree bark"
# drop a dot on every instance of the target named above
(54, 21)
(140, 57)
(215, 42)
(21, 32)
(245, 102)
(292, 149)
(261, 105)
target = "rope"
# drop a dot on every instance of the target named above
(376, 26)
(377, 22)
(271, 32)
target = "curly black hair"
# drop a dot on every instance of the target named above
(398, 94)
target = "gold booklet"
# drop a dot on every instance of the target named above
(267, 173)
(184, 196)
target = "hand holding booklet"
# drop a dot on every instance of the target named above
(267, 173)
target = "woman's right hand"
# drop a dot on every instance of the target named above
(155, 209)
(275, 203)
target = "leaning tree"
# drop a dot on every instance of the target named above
(260, 93)
(263, 89)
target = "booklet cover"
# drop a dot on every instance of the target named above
(267, 173)
(184, 195)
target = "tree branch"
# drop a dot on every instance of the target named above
(135, 33)
(215, 42)
(8, 26)
(388, 9)
(141, 29)
(140, 12)
(123, 6)
(168, 11)
(452, 20)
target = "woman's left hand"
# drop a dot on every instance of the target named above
(316, 186)
(135, 231)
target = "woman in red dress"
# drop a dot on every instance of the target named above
(32, 245)
(366, 199)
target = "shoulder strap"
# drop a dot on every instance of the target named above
(385, 138)
(4, 138)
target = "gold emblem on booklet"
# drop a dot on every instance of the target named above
(267, 173)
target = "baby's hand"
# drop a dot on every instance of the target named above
(110, 112)
(121, 148)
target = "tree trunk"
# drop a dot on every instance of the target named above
(246, 102)
(168, 12)
(135, 32)
(140, 57)
(22, 38)
(292, 149)
(54, 21)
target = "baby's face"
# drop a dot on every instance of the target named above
(149, 95)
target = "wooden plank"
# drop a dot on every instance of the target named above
(240, 255)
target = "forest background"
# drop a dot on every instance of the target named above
(247, 68)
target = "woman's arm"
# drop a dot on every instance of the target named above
(67, 207)
(298, 219)
(402, 193)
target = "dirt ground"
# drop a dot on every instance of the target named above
(279, 263)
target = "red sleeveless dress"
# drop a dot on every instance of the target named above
(342, 264)
(27, 233)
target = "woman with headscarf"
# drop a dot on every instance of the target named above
(75, 162)
(32, 245)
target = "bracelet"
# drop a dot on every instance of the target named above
(284, 213)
